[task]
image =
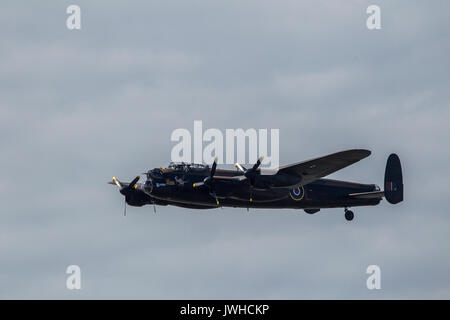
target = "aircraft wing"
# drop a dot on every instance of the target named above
(317, 168)
(230, 178)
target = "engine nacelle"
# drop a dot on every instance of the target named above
(311, 211)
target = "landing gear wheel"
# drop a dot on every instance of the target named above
(349, 215)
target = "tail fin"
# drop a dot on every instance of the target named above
(393, 180)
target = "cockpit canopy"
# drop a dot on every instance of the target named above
(176, 167)
(183, 166)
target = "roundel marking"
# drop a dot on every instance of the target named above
(297, 194)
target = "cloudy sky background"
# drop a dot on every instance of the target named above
(77, 107)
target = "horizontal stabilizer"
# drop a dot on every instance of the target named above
(367, 195)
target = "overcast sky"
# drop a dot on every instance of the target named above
(78, 107)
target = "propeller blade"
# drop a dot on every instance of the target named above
(215, 197)
(198, 184)
(213, 168)
(125, 209)
(258, 163)
(133, 183)
(241, 168)
(116, 182)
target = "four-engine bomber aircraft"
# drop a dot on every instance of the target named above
(296, 186)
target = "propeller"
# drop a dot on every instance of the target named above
(125, 190)
(250, 174)
(252, 171)
(209, 181)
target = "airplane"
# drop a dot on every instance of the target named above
(296, 186)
